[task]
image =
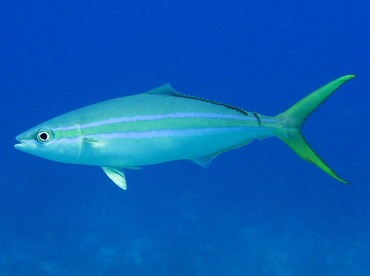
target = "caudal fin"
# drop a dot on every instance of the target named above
(293, 119)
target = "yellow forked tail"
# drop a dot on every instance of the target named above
(293, 119)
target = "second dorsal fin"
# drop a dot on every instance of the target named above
(165, 89)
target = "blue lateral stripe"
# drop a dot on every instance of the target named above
(167, 133)
(155, 117)
(155, 134)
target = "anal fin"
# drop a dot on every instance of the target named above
(204, 161)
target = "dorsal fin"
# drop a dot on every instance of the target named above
(169, 91)
(165, 89)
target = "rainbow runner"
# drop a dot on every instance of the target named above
(163, 125)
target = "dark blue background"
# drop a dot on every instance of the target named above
(259, 210)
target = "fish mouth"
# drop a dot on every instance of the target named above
(20, 146)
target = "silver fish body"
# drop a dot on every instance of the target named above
(159, 126)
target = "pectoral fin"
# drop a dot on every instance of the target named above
(117, 175)
(92, 142)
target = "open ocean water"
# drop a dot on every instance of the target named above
(258, 210)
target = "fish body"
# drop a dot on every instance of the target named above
(163, 125)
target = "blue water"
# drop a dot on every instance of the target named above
(258, 210)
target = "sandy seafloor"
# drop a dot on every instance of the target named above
(258, 210)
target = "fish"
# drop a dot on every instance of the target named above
(163, 125)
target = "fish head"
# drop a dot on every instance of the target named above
(50, 141)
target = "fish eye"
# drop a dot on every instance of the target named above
(43, 136)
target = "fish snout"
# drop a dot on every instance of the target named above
(24, 144)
